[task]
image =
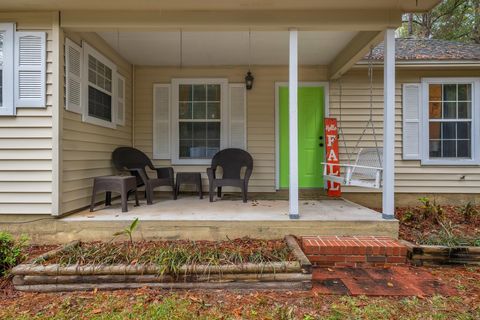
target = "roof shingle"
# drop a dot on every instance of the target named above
(430, 49)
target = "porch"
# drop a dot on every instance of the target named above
(195, 219)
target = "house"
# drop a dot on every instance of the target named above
(82, 78)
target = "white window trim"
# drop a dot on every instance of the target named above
(224, 116)
(8, 106)
(121, 122)
(475, 160)
(89, 50)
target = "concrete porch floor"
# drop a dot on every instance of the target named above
(195, 219)
(191, 208)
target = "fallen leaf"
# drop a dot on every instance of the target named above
(389, 284)
(96, 311)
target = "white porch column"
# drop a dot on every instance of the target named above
(388, 196)
(293, 124)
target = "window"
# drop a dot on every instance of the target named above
(450, 113)
(6, 69)
(199, 119)
(99, 88)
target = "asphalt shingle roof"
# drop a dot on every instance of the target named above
(430, 49)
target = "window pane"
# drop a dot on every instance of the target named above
(213, 110)
(435, 149)
(464, 148)
(464, 92)
(449, 130)
(185, 147)
(185, 110)
(213, 146)
(213, 91)
(435, 92)
(464, 110)
(449, 92)
(200, 130)
(92, 63)
(185, 92)
(2, 35)
(199, 92)
(463, 130)
(449, 149)
(449, 110)
(213, 130)
(99, 104)
(92, 76)
(435, 131)
(199, 149)
(435, 110)
(186, 130)
(199, 110)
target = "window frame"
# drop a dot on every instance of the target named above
(8, 89)
(89, 50)
(224, 116)
(475, 123)
(122, 79)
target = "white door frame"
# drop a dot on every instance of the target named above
(278, 84)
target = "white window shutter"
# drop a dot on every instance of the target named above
(238, 115)
(120, 100)
(30, 65)
(412, 121)
(161, 121)
(73, 74)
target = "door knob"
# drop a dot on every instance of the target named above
(321, 137)
(321, 144)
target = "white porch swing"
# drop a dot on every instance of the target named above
(366, 170)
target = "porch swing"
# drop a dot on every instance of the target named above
(366, 170)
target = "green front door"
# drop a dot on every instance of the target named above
(311, 104)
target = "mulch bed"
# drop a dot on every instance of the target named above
(219, 252)
(415, 230)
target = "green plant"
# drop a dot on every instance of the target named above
(447, 236)
(431, 210)
(469, 211)
(128, 231)
(11, 251)
(408, 216)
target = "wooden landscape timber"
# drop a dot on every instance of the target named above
(37, 277)
(426, 255)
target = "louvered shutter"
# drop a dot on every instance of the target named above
(120, 100)
(412, 121)
(238, 115)
(161, 121)
(73, 74)
(30, 64)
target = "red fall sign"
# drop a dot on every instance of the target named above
(332, 155)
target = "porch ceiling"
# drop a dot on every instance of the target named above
(403, 5)
(177, 48)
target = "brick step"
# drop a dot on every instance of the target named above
(354, 251)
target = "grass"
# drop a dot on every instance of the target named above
(171, 256)
(246, 306)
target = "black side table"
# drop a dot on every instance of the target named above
(120, 184)
(194, 178)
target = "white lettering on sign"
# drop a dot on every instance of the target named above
(332, 156)
(331, 139)
(331, 127)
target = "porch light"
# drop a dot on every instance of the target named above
(249, 80)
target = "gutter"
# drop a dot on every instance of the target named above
(424, 63)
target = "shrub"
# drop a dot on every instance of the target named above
(469, 211)
(11, 251)
(431, 210)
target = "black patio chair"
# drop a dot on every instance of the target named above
(231, 161)
(135, 161)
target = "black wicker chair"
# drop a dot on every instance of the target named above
(135, 161)
(232, 161)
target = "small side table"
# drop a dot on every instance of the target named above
(194, 178)
(120, 184)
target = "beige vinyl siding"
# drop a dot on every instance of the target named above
(410, 175)
(260, 111)
(87, 148)
(26, 138)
